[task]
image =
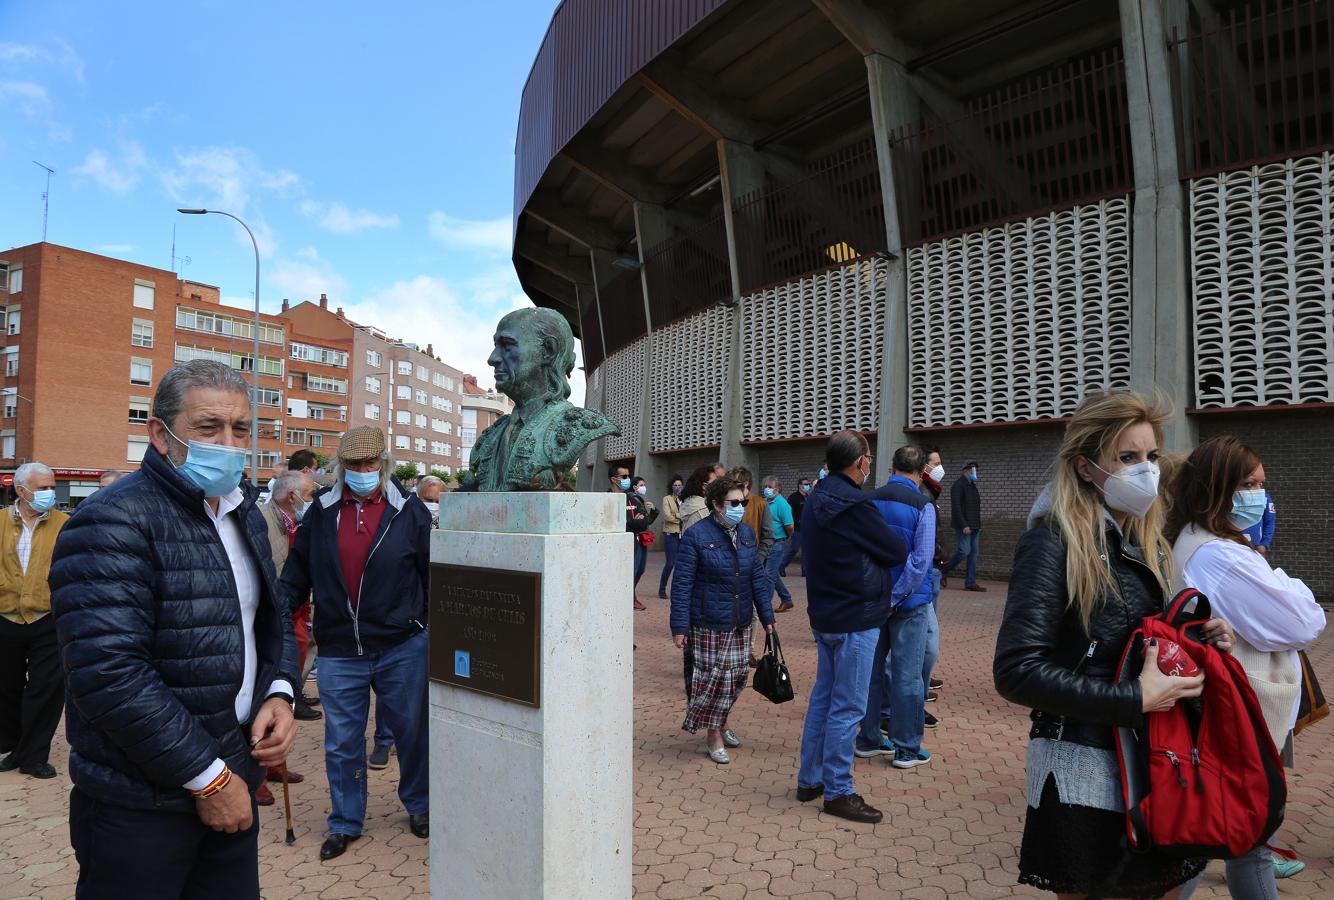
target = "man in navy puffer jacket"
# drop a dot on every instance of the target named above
(178, 656)
(849, 552)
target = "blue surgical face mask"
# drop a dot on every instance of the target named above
(972, 475)
(734, 514)
(213, 468)
(768, 493)
(624, 484)
(1248, 508)
(363, 484)
(805, 488)
(823, 473)
(43, 500)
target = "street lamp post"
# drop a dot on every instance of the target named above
(254, 367)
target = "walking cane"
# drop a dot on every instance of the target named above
(287, 804)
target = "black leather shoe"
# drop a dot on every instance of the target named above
(420, 824)
(810, 793)
(853, 808)
(9, 763)
(306, 713)
(335, 845)
(310, 700)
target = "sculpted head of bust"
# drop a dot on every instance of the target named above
(533, 356)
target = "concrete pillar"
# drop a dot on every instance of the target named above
(742, 171)
(651, 229)
(1160, 301)
(894, 104)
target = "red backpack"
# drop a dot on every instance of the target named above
(1204, 779)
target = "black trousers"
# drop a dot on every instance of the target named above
(140, 854)
(32, 689)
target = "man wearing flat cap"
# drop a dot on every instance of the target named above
(363, 549)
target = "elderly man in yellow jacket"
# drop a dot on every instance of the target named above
(32, 691)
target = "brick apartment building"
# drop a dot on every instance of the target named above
(481, 409)
(86, 339)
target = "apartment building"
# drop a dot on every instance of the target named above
(86, 339)
(482, 407)
(318, 377)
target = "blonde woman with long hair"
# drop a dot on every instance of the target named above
(1093, 563)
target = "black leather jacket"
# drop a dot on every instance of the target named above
(1046, 661)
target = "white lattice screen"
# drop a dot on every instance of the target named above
(623, 375)
(1018, 322)
(811, 352)
(689, 364)
(1262, 275)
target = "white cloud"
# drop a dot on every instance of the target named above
(480, 234)
(30, 96)
(21, 52)
(304, 279)
(118, 176)
(227, 178)
(336, 217)
(65, 56)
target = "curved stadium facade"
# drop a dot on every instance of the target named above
(942, 221)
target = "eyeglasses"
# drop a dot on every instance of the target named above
(735, 503)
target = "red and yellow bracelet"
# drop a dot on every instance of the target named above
(215, 786)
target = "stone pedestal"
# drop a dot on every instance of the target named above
(537, 802)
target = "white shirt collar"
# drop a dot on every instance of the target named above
(226, 503)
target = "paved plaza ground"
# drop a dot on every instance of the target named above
(951, 829)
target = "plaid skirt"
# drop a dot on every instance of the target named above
(721, 668)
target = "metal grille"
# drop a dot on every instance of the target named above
(1262, 272)
(622, 299)
(688, 272)
(811, 354)
(1058, 138)
(590, 331)
(828, 217)
(689, 365)
(624, 380)
(1254, 84)
(1017, 322)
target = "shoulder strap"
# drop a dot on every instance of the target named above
(1189, 605)
(1192, 538)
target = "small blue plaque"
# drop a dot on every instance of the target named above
(462, 663)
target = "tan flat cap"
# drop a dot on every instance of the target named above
(362, 442)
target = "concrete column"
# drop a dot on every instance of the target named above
(742, 171)
(1160, 327)
(651, 229)
(894, 104)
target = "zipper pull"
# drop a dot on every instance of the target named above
(1093, 645)
(1176, 764)
(1195, 761)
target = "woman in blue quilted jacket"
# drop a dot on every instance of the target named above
(719, 585)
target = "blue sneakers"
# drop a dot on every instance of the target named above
(906, 759)
(885, 749)
(1286, 868)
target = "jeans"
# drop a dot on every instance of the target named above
(907, 690)
(932, 642)
(670, 544)
(969, 545)
(838, 700)
(792, 546)
(1251, 877)
(145, 854)
(398, 676)
(877, 692)
(383, 736)
(641, 560)
(773, 564)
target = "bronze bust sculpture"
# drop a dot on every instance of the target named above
(535, 445)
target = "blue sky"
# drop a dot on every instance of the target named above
(371, 148)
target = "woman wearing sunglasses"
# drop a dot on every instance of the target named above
(718, 587)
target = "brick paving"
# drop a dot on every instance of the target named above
(951, 829)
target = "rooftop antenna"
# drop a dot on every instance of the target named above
(184, 260)
(46, 196)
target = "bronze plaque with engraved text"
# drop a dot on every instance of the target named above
(486, 631)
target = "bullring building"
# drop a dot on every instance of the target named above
(940, 221)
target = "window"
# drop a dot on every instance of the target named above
(421, 397)
(373, 411)
(267, 459)
(142, 333)
(439, 379)
(270, 397)
(315, 412)
(403, 392)
(322, 355)
(138, 412)
(11, 364)
(419, 420)
(437, 402)
(470, 417)
(401, 441)
(12, 321)
(419, 444)
(449, 451)
(143, 294)
(372, 385)
(232, 326)
(373, 358)
(404, 367)
(11, 402)
(141, 370)
(468, 436)
(316, 439)
(15, 287)
(403, 417)
(138, 446)
(438, 448)
(438, 425)
(326, 385)
(7, 447)
(268, 365)
(422, 375)
(297, 436)
(447, 406)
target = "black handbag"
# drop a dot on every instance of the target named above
(771, 676)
